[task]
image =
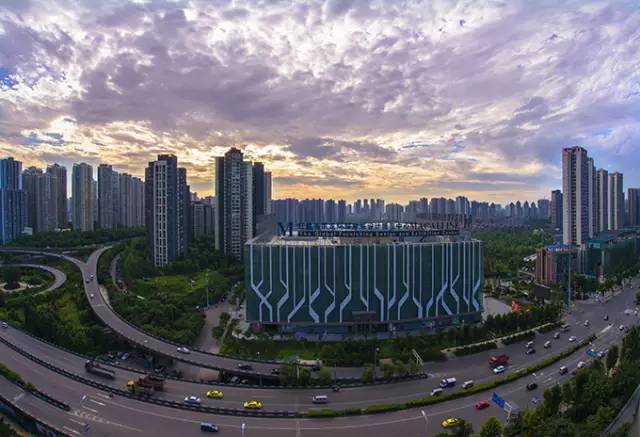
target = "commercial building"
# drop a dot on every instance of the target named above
(349, 283)
(615, 199)
(82, 197)
(553, 263)
(164, 191)
(575, 190)
(611, 251)
(234, 203)
(12, 200)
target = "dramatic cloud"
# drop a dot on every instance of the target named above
(339, 98)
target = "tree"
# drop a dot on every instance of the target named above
(491, 428)
(463, 429)
(11, 275)
(552, 400)
(324, 376)
(612, 357)
(388, 370)
(367, 374)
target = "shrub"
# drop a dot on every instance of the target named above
(468, 350)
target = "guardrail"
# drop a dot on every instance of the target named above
(30, 422)
(149, 399)
(39, 394)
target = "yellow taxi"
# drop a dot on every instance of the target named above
(451, 421)
(215, 394)
(252, 405)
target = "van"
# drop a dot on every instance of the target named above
(467, 384)
(208, 427)
(436, 392)
(447, 382)
(563, 370)
(319, 399)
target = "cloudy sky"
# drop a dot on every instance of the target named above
(340, 98)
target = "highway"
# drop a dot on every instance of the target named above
(59, 278)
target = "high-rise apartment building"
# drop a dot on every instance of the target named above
(394, 212)
(342, 211)
(163, 194)
(575, 190)
(592, 188)
(41, 203)
(185, 222)
(556, 209)
(267, 192)
(202, 215)
(633, 206)
(234, 203)
(82, 197)
(616, 201)
(12, 200)
(602, 195)
(131, 200)
(60, 194)
(330, 211)
(108, 197)
(544, 208)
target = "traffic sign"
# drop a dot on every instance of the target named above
(497, 400)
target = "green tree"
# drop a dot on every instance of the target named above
(491, 428)
(638, 297)
(368, 374)
(388, 370)
(612, 357)
(463, 429)
(324, 376)
(11, 276)
(552, 400)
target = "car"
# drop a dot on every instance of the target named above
(499, 369)
(586, 323)
(530, 351)
(192, 400)
(572, 339)
(621, 327)
(335, 388)
(481, 405)
(320, 399)
(556, 336)
(606, 317)
(529, 345)
(450, 422)
(467, 384)
(532, 386)
(602, 353)
(275, 371)
(244, 366)
(581, 364)
(215, 394)
(563, 370)
(183, 350)
(4, 325)
(252, 405)
(208, 427)
(535, 400)
(91, 296)
(547, 344)
(436, 392)
(125, 356)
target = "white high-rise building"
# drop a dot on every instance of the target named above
(616, 201)
(602, 195)
(592, 188)
(234, 213)
(575, 190)
(82, 197)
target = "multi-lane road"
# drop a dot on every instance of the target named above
(125, 416)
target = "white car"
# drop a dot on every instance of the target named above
(581, 364)
(547, 344)
(192, 400)
(92, 295)
(621, 327)
(4, 325)
(499, 369)
(183, 350)
(586, 323)
(572, 339)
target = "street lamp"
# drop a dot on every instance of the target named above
(426, 422)
(375, 357)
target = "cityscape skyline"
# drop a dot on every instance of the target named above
(377, 109)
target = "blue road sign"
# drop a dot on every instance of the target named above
(498, 400)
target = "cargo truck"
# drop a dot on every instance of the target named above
(146, 385)
(499, 360)
(97, 369)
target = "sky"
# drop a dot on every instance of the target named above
(339, 98)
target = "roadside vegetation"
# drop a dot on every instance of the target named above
(62, 316)
(360, 352)
(164, 301)
(505, 249)
(76, 238)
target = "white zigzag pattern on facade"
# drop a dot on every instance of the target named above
(430, 302)
(256, 287)
(444, 281)
(285, 285)
(405, 279)
(417, 303)
(454, 281)
(347, 299)
(301, 302)
(476, 287)
(377, 292)
(332, 291)
(313, 296)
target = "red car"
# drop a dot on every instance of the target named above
(482, 405)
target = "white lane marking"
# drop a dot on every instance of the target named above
(18, 397)
(102, 395)
(606, 329)
(96, 402)
(78, 422)
(71, 430)
(90, 409)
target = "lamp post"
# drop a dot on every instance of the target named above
(426, 422)
(375, 359)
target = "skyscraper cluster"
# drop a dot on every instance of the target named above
(242, 194)
(592, 200)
